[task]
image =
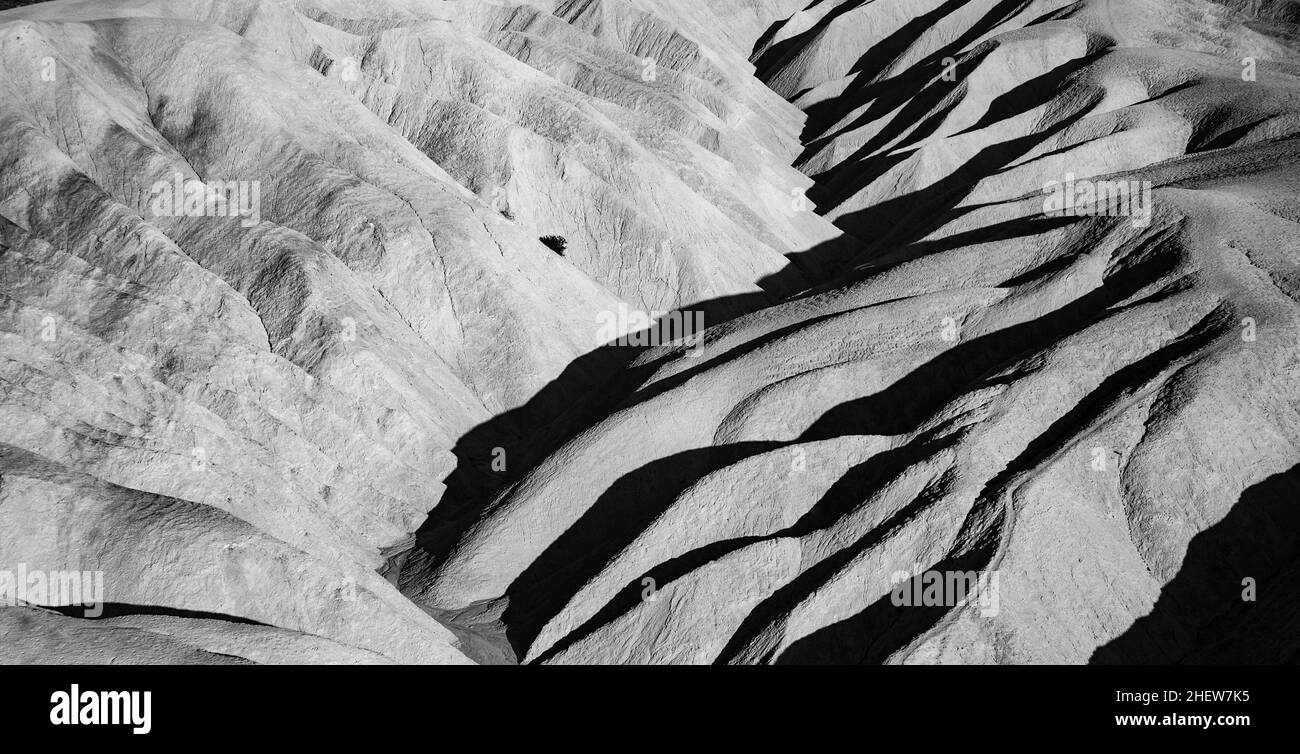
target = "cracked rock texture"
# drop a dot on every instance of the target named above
(376, 420)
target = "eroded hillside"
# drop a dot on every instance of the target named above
(365, 410)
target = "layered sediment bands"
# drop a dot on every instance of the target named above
(235, 414)
(1097, 408)
(1043, 327)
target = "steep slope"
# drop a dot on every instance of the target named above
(265, 264)
(359, 404)
(1090, 404)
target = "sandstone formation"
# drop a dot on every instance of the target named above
(361, 408)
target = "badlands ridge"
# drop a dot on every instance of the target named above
(1002, 287)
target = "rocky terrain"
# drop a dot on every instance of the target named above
(313, 318)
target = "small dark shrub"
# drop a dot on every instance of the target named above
(555, 243)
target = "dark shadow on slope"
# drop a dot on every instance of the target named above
(1060, 13)
(629, 596)
(781, 602)
(996, 16)
(595, 384)
(893, 629)
(1035, 92)
(123, 609)
(622, 511)
(867, 69)
(611, 523)
(481, 641)
(846, 493)
(921, 112)
(884, 628)
(1259, 537)
(531, 431)
(907, 218)
(902, 406)
(1213, 133)
(1020, 227)
(587, 390)
(778, 53)
(873, 635)
(885, 95)
(966, 367)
